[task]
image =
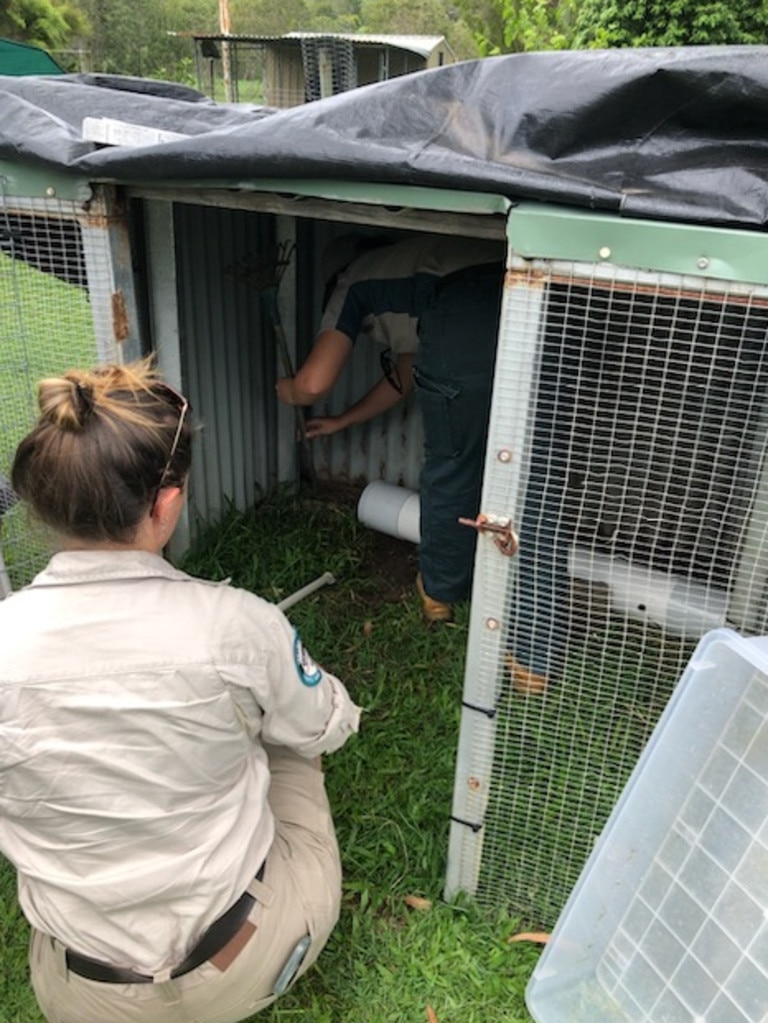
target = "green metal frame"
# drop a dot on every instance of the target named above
(394, 196)
(21, 180)
(560, 233)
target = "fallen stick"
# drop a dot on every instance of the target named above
(326, 579)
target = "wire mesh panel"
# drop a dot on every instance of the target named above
(244, 62)
(329, 66)
(276, 72)
(46, 326)
(627, 443)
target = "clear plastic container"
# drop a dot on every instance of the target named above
(668, 922)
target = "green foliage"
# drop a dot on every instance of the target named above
(537, 24)
(419, 17)
(514, 26)
(264, 17)
(50, 24)
(151, 37)
(138, 37)
(607, 23)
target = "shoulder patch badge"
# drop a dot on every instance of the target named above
(309, 672)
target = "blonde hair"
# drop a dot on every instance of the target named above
(95, 460)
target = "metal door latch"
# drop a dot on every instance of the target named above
(505, 538)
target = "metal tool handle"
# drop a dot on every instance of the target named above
(326, 579)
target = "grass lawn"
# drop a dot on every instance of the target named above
(393, 958)
(46, 327)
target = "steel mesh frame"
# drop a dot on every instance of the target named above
(627, 443)
(56, 311)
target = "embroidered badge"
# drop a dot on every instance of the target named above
(309, 673)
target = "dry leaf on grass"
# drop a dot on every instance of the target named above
(540, 936)
(431, 1015)
(417, 902)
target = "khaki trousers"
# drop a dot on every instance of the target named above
(299, 895)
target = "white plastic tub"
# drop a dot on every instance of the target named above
(668, 922)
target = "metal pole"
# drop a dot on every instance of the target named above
(326, 579)
(226, 56)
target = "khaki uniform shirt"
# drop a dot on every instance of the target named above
(382, 293)
(134, 701)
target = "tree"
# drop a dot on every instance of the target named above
(514, 26)
(137, 37)
(605, 23)
(265, 17)
(419, 17)
(50, 24)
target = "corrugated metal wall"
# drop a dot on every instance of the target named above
(388, 447)
(227, 355)
(229, 364)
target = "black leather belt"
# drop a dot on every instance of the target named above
(221, 931)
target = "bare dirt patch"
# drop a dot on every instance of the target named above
(389, 563)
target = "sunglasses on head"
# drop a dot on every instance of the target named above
(181, 403)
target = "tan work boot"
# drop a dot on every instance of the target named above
(525, 681)
(434, 610)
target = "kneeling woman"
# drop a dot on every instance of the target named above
(161, 795)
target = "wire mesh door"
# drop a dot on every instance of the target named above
(46, 326)
(627, 442)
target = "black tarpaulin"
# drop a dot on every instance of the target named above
(674, 134)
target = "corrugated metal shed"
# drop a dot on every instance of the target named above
(291, 69)
(423, 45)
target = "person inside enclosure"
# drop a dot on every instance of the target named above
(394, 294)
(161, 793)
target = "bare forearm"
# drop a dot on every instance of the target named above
(378, 400)
(293, 391)
(319, 372)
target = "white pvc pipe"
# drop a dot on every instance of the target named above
(391, 509)
(683, 606)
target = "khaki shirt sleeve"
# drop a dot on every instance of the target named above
(293, 701)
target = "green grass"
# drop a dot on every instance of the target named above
(391, 786)
(566, 760)
(62, 337)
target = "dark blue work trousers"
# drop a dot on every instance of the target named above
(540, 607)
(454, 374)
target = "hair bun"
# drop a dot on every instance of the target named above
(84, 401)
(66, 402)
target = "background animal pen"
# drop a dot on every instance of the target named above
(638, 344)
(283, 71)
